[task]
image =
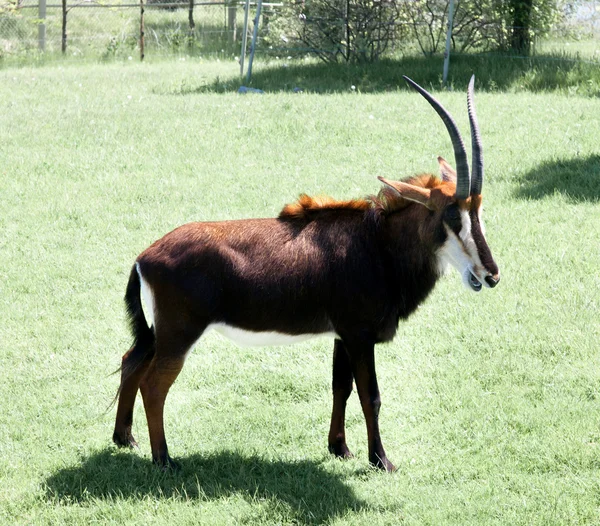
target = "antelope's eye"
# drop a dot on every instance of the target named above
(452, 218)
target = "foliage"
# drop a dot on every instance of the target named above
(362, 30)
(8, 7)
(347, 30)
(478, 24)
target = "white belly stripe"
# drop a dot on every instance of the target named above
(242, 337)
(246, 338)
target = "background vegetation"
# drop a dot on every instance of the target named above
(356, 31)
(366, 30)
(490, 401)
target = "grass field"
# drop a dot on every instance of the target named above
(490, 401)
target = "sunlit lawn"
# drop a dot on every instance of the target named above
(490, 401)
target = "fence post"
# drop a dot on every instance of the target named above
(244, 36)
(141, 30)
(448, 41)
(232, 20)
(254, 36)
(63, 40)
(42, 25)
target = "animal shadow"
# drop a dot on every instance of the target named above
(577, 179)
(312, 494)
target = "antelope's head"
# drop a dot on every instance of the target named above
(458, 202)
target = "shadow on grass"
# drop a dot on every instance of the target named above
(312, 494)
(576, 179)
(494, 72)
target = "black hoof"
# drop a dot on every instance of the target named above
(340, 451)
(383, 464)
(124, 441)
(166, 464)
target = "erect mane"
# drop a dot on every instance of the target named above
(385, 202)
(306, 204)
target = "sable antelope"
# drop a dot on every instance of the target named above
(350, 270)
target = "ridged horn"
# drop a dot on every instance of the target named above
(463, 179)
(477, 153)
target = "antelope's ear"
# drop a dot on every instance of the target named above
(412, 193)
(447, 172)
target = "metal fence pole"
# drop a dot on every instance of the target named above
(448, 42)
(254, 36)
(244, 36)
(232, 20)
(42, 25)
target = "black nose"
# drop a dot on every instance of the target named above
(492, 281)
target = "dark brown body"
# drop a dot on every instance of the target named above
(331, 273)
(351, 268)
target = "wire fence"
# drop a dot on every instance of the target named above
(116, 28)
(93, 28)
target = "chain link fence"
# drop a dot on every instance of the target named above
(126, 28)
(122, 27)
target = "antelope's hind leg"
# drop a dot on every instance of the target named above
(133, 367)
(342, 388)
(169, 357)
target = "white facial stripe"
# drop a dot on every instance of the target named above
(465, 221)
(246, 338)
(453, 252)
(147, 297)
(461, 252)
(466, 237)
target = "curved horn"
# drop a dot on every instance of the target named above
(463, 179)
(477, 152)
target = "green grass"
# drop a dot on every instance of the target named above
(585, 48)
(490, 401)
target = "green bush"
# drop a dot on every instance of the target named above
(339, 30)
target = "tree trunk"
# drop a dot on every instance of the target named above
(192, 25)
(191, 22)
(347, 22)
(521, 20)
(142, 30)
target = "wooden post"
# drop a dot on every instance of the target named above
(63, 40)
(254, 36)
(42, 25)
(448, 42)
(141, 30)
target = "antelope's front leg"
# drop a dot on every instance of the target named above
(342, 388)
(363, 366)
